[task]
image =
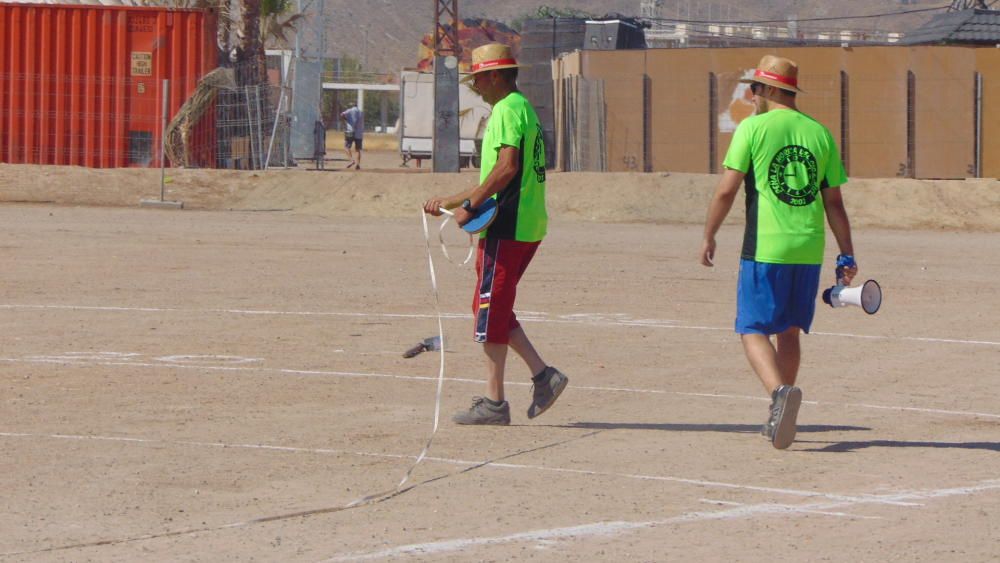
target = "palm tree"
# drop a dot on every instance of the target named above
(254, 69)
(243, 28)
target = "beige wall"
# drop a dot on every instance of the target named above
(678, 111)
(945, 79)
(875, 106)
(877, 112)
(988, 64)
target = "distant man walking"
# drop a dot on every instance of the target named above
(513, 172)
(353, 133)
(793, 173)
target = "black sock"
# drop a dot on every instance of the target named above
(492, 402)
(541, 375)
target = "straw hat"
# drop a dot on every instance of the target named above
(492, 56)
(778, 72)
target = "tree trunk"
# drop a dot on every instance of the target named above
(253, 58)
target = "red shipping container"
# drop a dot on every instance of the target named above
(83, 85)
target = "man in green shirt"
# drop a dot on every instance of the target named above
(793, 175)
(513, 172)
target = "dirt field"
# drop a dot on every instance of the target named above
(216, 384)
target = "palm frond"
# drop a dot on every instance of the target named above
(276, 26)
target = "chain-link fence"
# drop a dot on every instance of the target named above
(252, 124)
(112, 122)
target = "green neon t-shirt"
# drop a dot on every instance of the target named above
(788, 157)
(521, 211)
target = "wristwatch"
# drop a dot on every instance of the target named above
(467, 205)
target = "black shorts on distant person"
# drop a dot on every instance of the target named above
(350, 139)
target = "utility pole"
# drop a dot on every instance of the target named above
(446, 54)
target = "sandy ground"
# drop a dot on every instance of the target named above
(216, 384)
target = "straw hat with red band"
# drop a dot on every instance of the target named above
(778, 72)
(492, 56)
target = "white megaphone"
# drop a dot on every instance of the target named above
(868, 296)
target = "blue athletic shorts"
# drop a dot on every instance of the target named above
(771, 298)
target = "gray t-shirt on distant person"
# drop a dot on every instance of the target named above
(355, 122)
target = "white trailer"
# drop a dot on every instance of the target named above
(416, 118)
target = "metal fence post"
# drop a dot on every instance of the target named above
(163, 139)
(274, 128)
(978, 110)
(162, 203)
(260, 126)
(250, 135)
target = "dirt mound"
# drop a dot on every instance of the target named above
(391, 191)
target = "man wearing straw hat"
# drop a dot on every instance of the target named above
(792, 173)
(513, 172)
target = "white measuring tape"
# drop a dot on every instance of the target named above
(440, 381)
(444, 247)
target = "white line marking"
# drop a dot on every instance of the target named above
(721, 502)
(911, 338)
(914, 409)
(864, 498)
(71, 360)
(796, 509)
(617, 528)
(591, 319)
(203, 358)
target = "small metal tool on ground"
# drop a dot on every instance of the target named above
(428, 345)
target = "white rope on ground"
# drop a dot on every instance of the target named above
(440, 380)
(398, 489)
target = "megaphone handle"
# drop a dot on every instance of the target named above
(843, 261)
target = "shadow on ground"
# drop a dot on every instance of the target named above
(854, 446)
(830, 447)
(737, 428)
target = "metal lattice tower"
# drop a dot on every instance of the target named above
(650, 8)
(957, 5)
(446, 32)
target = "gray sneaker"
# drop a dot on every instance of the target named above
(767, 430)
(482, 412)
(784, 410)
(545, 392)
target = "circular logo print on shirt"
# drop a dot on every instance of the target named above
(793, 176)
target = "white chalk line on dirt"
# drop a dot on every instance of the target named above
(589, 319)
(606, 529)
(795, 509)
(468, 463)
(82, 361)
